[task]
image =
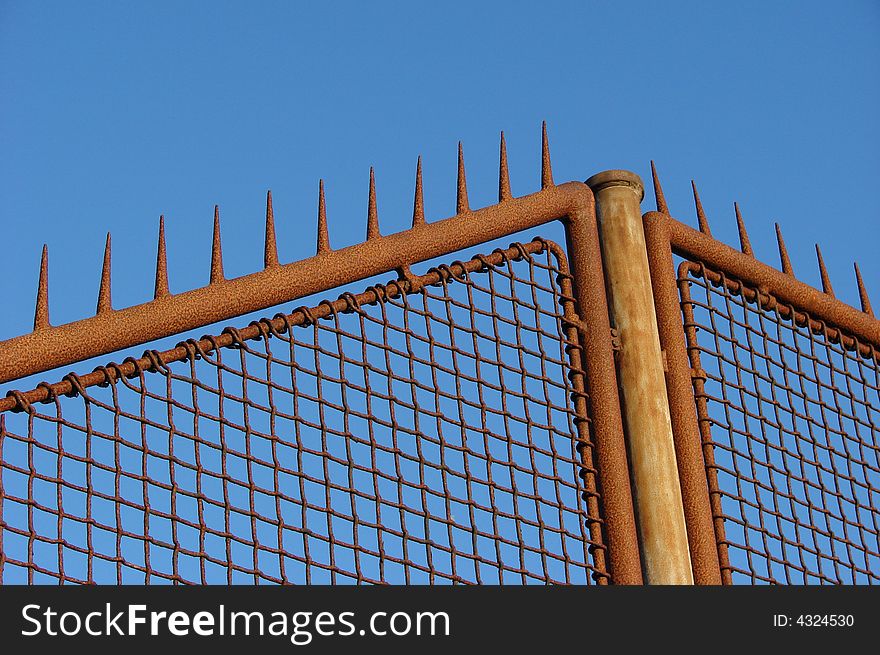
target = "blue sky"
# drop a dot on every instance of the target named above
(114, 113)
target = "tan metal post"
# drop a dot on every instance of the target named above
(659, 510)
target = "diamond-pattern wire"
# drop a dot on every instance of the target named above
(427, 437)
(793, 456)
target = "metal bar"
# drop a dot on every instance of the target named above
(768, 300)
(589, 289)
(113, 330)
(704, 424)
(692, 244)
(574, 204)
(683, 413)
(371, 427)
(755, 414)
(661, 520)
(580, 399)
(131, 367)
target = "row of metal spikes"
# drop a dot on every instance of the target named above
(41, 317)
(746, 246)
(270, 259)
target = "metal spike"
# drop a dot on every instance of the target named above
(823, 272)
(323, 233)
(863, 293)
(216, 250)
(418, 200)
(41, 316)
(503, 173)
(546, 170)
(658, 191)
(372, 212)
(701, 215)
(745, 244)
(461, 200)
(270, 258)
(783, 253)
(104, 301)
(161, 263)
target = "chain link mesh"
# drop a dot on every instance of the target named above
(434, 436)
(791, 427)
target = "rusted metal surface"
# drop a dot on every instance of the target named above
(786, 399)
(605, 411)
(682, 410)
(704, 424)
(856, 326)
(793, 421)
(586, 373)
(113, 329)
(659, 511)
(308, 447)
(465, 425)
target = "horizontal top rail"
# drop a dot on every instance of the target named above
(154, 360)
(783, 287)
(111, 330)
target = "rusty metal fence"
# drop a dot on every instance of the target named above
(786, 396)
(434, 429)
(794, 430)
(384, 437)
(510, 417)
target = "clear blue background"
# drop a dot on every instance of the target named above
(112, 113)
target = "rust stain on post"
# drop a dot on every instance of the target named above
(661, 520)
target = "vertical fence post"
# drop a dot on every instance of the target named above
(680, 390)
(658, 501)
(589, 289)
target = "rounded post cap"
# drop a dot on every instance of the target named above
(617, 177)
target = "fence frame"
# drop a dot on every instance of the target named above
(665, 237)
(462, 274)
(656, 473)
(572, 203)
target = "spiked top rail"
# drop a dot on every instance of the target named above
(712, 489)
(737, 276)
(782, 285)
(572, 203)
(110, 329)
(468, 548)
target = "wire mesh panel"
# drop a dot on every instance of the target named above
(427, 431)
(791, 426)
